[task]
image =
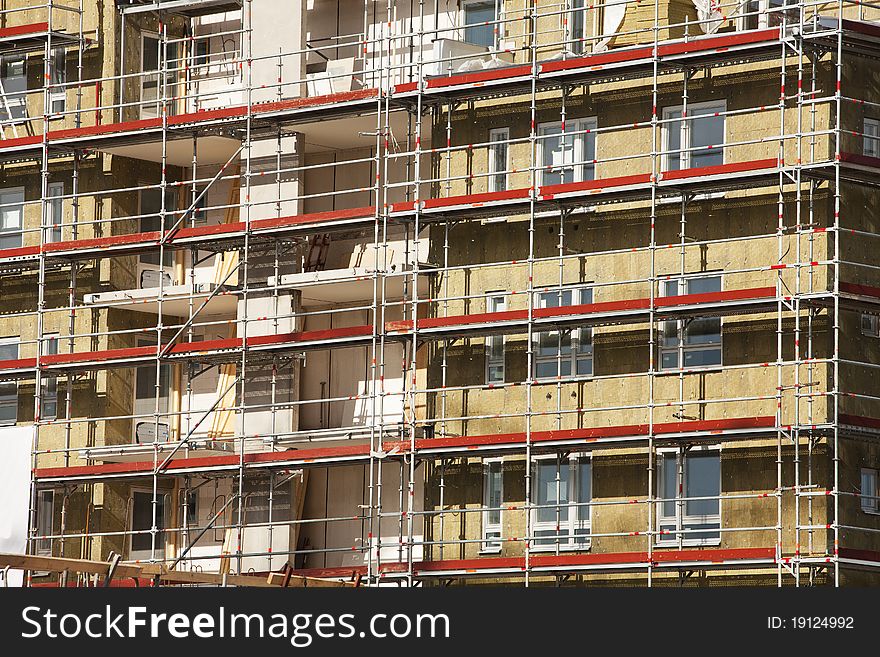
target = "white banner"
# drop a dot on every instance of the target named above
(15, 484)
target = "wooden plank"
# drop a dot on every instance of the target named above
(149, 571)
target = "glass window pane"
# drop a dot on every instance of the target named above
(702, 357)
(668, 484)
(705, 330)
(475, 15)
(585, 487)
(702, 479)
(673, 143)
(707, 131)
(142, 520)
(704, 285)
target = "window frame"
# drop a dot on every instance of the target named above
(576, 340)
(161, 521)
(495, 29)
(682, 349)
(686, 150)
(498, 141)
(54, 229)
(869, 325)
(492, 533)
(49, 384)
(496, 302)
(58, 76)
(681, 519)
(592, 20)
(871, 138)
(10, 399)
(18, 232)
(580, 129)
(871, 506)
(578, 530)
(15, 109)
(43, 546)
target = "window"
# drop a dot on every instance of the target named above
(493, 496)
(151, 220)
(55, 210)
(498, 164)
(766, 13)
(13, 76)
(697, 141)
(697, 339)
(579, 21)
(49, 384)
(478, 20)
(57, 79)
(870, 325)
(568, 157)
(191, 508)
(11, 211)
(8, 389)
(152, 93)
(203, 51)
(562, 493)
(870, 502)
(871, 138)
(495, 343)
(145, 398)
(561, 353)
(45, 517)
(689, 488)
(142, 521)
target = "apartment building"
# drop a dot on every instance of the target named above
(445, 292)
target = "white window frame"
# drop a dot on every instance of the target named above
(685, 153)
(152, 108)
(492, 532)
(581, 294)
(6, 200)
(496, 302)
(764, 18)
(499, 154)
(869, 325)
(871, 137)
(10, 398)
(49, 384)
(161, 517)
(681, 520)
(682, 349)
(58, 76)
(14, 109)
(869, 501)
(575, 532)
(45, 522)
(592, 15)
(497, 30)
(55, 212)
(583, 170)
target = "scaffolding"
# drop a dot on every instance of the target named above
(242, 222)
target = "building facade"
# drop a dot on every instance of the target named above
(461, 291)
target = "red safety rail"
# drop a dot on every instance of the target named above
(488, 565)
(189, 235)
(601, 308)
(31, 29)
(133, 356)
(637, 55)
(362, 451)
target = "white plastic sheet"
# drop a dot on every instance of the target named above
(611, 22)
(15, 483)
(709, 14)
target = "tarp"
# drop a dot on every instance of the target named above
(709, 13)
(15, 484)
(611, 21)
